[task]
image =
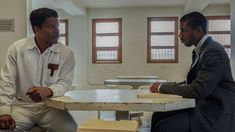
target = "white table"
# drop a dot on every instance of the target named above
(135, 83)
(120, 100)
(137, 77)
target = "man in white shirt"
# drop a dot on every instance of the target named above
(35, 69)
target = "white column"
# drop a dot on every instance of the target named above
(28, 25)
(232, 15)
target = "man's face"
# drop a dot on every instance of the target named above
(48, 33)
(187, 34)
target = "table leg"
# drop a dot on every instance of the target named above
(98, 114)
(122, 115)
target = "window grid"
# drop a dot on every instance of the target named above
(220, 31)
(64, 36)
(107, 42)
(167, 49)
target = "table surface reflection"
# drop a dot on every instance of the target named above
(117, 100)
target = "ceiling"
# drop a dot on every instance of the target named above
(140, 3)
(79, 7)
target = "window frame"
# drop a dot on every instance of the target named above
(65, 21)
(225, 17)
(149, 33)
(94, 35)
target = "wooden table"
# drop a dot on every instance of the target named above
(120, 100)
(135, 83)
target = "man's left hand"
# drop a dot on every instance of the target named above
(37, 94)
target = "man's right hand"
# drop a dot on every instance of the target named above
(37, 94)
(155, 87)
(7, 122)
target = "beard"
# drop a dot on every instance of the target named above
(190, 41)
(54, 40)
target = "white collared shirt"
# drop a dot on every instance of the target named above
(198, 48)
(25, 67)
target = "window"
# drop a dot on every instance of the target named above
(107, 40)
(219, 28)
(162, 39)
(63, 31)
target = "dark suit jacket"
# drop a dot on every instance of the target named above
(211, 83)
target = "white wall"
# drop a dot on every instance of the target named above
(12, 9)
(134, 44)
(134, 22)
(78, 42)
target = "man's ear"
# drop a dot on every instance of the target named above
(199, 30)
(36, 29)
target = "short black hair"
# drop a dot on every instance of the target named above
(39, 16)
(195, 19)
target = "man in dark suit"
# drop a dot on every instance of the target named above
(209, 82)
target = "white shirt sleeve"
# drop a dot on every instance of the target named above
(64, 82)
(5, 109)
(158, 89)
(8, 77)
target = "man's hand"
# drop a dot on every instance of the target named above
(37, 94)
(154, 88)
(7, 122)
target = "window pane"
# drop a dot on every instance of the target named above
(107, 55)
(109, 27)
(162, 26)
(106, 44)
(107, 41)
(219, 25)
(62, 28)
(62, 40)
(224, 39)
(162, 40)
(162, 54)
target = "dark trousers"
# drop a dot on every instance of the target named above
(172, 121)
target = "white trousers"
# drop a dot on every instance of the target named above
(50, 119)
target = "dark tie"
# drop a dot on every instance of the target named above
(193, 58)
(191, 74)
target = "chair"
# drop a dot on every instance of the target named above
(136, 116)
(95, 125)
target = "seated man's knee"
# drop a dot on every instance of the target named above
(69, 127)
(73, 127)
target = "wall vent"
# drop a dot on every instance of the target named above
(7, 25)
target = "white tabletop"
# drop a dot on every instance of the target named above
(117, 100)
(137, 77)
(135, 83)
